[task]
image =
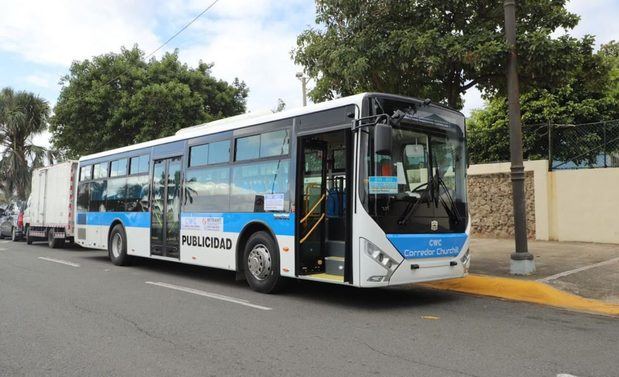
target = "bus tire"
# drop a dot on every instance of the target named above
(52, 241)
(261, 263)
(117, 246)
(28, 238)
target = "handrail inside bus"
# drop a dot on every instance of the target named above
(312, 209)
(312, 229)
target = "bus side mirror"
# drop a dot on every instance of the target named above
(382, 139)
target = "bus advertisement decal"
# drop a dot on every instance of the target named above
(223, 243)
(203, 224)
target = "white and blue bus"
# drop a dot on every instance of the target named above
(367, 190)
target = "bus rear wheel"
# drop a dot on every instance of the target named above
(261, 263)
(117, 246)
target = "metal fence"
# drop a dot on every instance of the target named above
(593, 145)
(566, 146)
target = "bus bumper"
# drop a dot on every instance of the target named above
(416, 271)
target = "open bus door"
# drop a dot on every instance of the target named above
(323, 195)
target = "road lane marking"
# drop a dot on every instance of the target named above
(60, 261)
(570, 272)
(209, 295)
(565, 375)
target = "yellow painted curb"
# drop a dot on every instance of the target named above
(524, 290)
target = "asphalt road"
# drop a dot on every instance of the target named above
(91, 318)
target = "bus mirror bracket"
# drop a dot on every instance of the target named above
(382, 131)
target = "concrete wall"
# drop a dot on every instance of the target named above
(584, 205)
(563, 205)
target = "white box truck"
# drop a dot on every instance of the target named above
(50, 209)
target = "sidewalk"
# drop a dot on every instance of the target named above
(576, 262)
(585, 274)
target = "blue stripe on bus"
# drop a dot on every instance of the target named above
(282, 224)
(129, 219)
(81, 219)
(411, 246)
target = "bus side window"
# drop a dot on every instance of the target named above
(83, 196)
(250, 183)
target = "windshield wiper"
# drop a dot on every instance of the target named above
(451, 209)
(410, 209)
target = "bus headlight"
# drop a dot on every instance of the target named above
(381, 258)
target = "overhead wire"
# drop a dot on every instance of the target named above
(182, 29)
(173, 36)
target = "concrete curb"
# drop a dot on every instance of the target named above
(525, 291)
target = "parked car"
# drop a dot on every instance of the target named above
(12, 221)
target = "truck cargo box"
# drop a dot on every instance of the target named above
(50, 210)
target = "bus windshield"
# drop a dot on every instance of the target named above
(420, 186)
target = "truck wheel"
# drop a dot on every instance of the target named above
(28, 238)
(53, 242)
(261, 263)
(117, 246)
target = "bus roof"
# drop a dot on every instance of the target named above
(246, 120)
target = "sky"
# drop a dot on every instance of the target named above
(248, 39)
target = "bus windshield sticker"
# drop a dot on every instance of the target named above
(274, 202)
(383, 185)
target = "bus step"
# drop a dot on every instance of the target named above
(336, 248)
(334, 265)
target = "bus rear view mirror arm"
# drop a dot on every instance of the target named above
(382, 131)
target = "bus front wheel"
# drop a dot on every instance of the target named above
(117, 246)
(261, 263)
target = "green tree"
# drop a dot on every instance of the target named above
(281, 106)
(120, 99)
(610, 54)
(22, 115)
(590, 94)
(433, 48)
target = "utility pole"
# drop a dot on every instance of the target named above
(303, 79)
(522, 262)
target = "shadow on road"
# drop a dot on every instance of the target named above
(408, 296)
(66, 247)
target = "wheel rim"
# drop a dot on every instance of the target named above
(117, 244)
(259, 262)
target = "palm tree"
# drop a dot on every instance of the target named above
(22, 115)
